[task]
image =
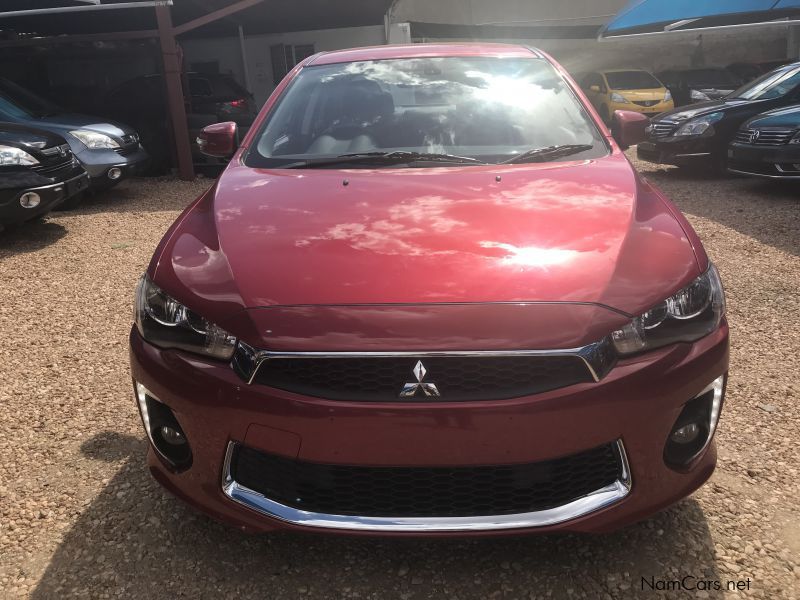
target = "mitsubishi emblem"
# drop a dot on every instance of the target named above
(410, 389)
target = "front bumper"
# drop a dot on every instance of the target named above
(678, 151)
(51, 194)
(637, 403)
(99, 162)
(772, 162)
(649, 111)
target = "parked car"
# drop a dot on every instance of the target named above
(744, 72)
(108, 151)
(698, 85)
(430, 295)
(631, 89)
(700, 134)
(38, 172)
(768, 145)
(213, 98)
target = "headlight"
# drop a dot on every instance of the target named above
(698, 96)
(94, 139)
(167, 323)
(619, 98)
(667, 96)
(700, 125)
(9, 155)
(689, 315)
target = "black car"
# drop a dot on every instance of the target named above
(108, 151)
(38, 172)
(700, 134)
(214, 98)
(768, 145)
(698, 85)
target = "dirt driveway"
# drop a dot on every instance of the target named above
(80, 516)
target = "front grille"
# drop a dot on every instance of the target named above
(765, 137)
(55, 169)
(660, 129)
(457, 378)
(426, 491)
(646, 103)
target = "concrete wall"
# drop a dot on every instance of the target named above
(257, 48)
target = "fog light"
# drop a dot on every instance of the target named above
(694, 429)
(114, 173)
(172, 436)
(163, 430)
(686, 434)
(30, 200)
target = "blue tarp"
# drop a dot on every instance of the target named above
(649, 16)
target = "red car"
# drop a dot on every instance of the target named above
(430, 295)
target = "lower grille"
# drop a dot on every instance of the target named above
(127, 150)
(457, 379)
(765, 137)
(427, 491)
(55, 169)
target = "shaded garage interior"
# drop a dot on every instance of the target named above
(87, 55)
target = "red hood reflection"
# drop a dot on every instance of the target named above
(587, 232)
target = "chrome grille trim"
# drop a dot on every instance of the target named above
(765, 137)
(598, 357)
(660, 129)
(600, 499)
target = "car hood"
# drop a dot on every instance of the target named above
(22, 136)
(788, 118)
(701, 108)
(589, 233)
(66, 122)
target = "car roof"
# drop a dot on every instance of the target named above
(424, 51)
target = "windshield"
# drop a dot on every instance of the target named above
(772, 85)
(11, 112)
(25, 99)
(632, 80)
(490, 109)
(716, 78)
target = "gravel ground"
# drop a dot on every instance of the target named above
(80, 516)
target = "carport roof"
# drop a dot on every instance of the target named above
(269, 16)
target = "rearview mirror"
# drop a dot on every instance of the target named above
(628, 128)
(594, 88)
(218, 140)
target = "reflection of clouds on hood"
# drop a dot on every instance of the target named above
(406, 222)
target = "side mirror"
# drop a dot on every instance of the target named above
(594, 88)
(628, 128)
(219, 140)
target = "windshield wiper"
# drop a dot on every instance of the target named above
(398, 157)
(548, 153)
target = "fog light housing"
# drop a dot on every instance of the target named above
(163, 430)
(694, 429)
(114, 173)
(30, 200)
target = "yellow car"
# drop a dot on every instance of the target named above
(629, 89)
